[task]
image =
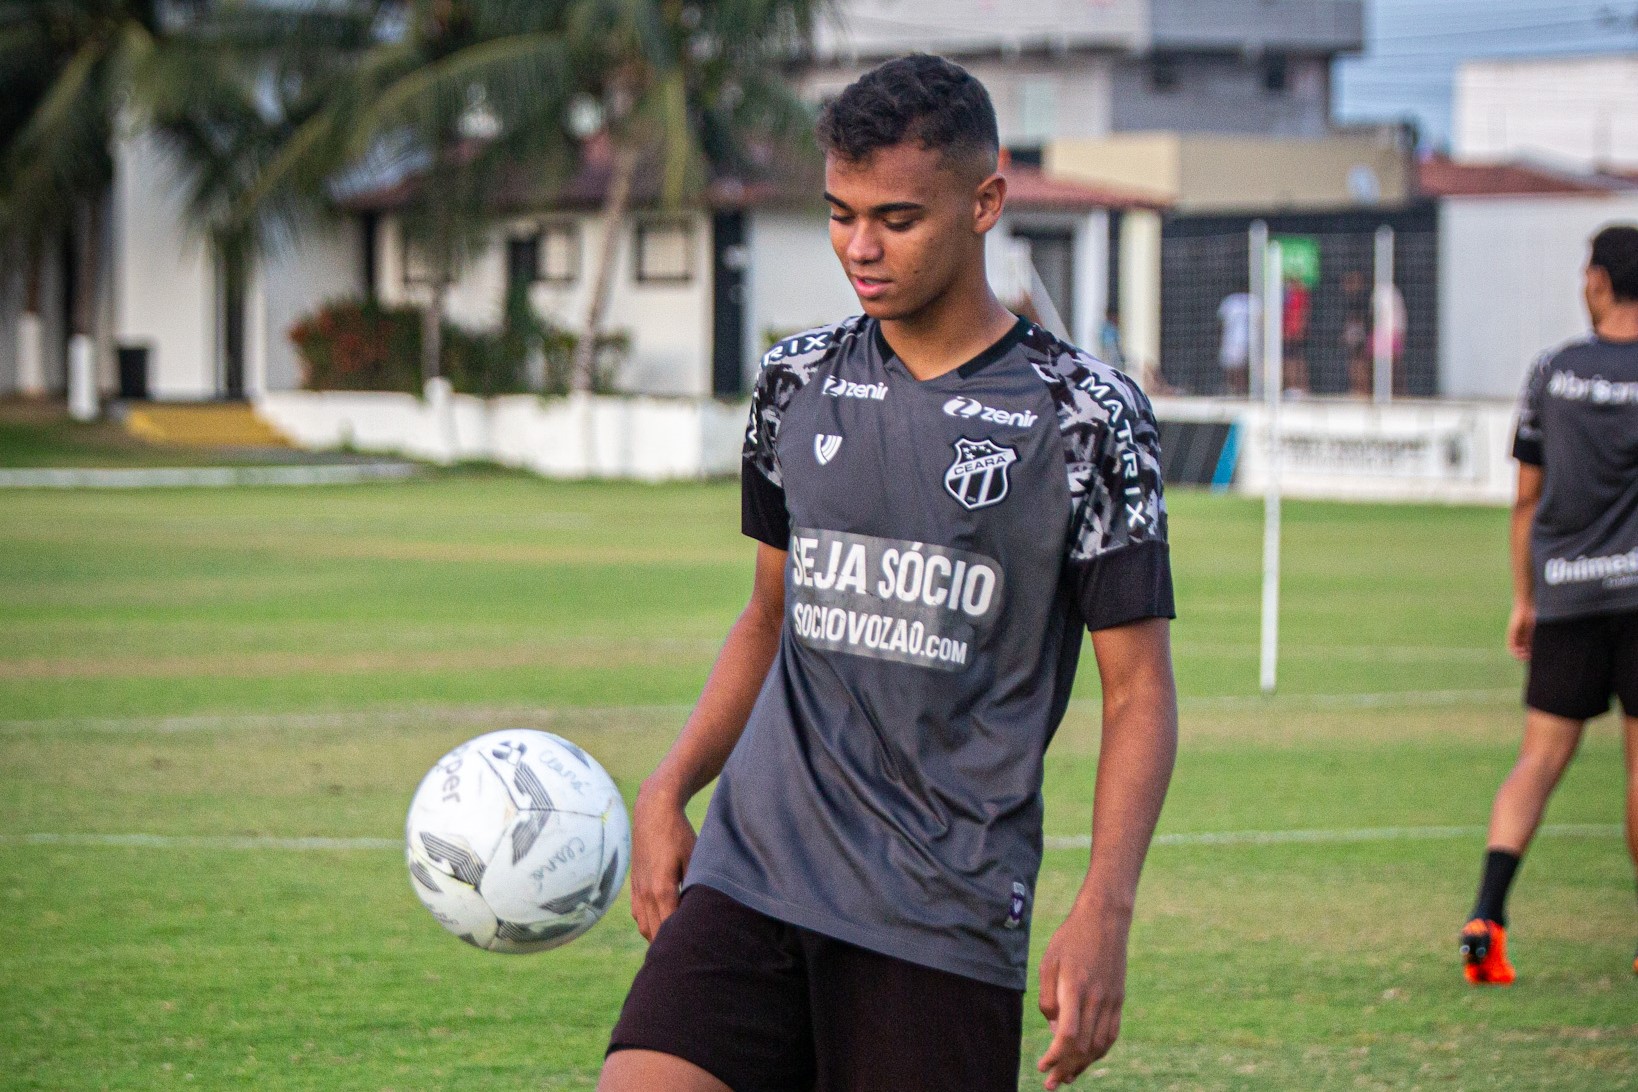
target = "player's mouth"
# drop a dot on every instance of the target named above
(869, 288)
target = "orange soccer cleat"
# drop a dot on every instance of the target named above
(1484, 954)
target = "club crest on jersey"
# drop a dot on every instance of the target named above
(978, 476)
(825, 447)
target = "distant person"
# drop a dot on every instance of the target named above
(1109, 344)
(1294, 336)
(1575, 576)
(1234, 349)
(1356, 333)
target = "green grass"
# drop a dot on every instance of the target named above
(289, 662)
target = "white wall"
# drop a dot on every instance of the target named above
(1580, 111)
(164, 280)
(1510, 277)
(794, 281)
(669, 323)
(325, 264)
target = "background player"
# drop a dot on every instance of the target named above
(1575, 576)
(945, 497)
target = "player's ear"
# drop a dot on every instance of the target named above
(988, 200)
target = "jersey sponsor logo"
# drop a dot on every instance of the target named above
(846, 388)
(1597, 390)
(891, 599)
(1612, 570)
(825, 447)
(1132, 498)
(978, 476)
(800, 345)
(962, 406)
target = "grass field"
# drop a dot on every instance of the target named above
(217, 668)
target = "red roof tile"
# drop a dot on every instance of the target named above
(1031, 188)
(1440, 176)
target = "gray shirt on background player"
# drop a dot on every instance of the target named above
(1578, 421)
(949, 540)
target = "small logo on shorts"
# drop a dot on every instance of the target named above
(1017, 905)
(825, 447)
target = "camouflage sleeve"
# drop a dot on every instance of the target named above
(1118, 557)
(762, 512)
(1527, 446)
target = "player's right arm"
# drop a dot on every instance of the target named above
(1521, 623)
(1530, 452)
(662, 836)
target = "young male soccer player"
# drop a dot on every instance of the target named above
(944, 495)
(1575, 575)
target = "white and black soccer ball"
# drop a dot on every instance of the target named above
(518, 841)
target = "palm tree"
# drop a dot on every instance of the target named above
(223, 93)
(76, 58)
(462, 90)
(701, 82)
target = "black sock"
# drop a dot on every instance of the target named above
(1499, 866)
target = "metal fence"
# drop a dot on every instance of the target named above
(1352, 308)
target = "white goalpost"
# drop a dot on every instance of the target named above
(1267, 255)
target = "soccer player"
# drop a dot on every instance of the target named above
(944, 496)
(1575, 576)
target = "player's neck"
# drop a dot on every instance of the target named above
(948, 333)
(1619, 323)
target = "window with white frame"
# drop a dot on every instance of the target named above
(665, 250)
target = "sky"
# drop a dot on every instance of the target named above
(1412, 48)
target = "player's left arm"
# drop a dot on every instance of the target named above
(1083, 973)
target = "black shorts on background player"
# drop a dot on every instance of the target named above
(768, 1007)
(1575, 665)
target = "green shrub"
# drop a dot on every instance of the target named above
(364, 345)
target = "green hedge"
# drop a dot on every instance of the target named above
(364, 345)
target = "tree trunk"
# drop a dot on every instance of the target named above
(615, 203)
(432, 327)
(82, 354)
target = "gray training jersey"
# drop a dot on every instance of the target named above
(1578, 421)
(948, 541)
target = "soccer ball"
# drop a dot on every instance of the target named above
(517, 841)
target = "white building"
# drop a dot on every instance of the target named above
(701, 290)
(1513, 242)
(1571, 111)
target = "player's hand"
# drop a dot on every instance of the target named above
(1521, 627)
(662, 840)
(1083, 986)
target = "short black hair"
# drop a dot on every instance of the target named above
(919, 97)
(1615, 251)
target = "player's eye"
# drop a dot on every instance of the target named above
(898, 225)
(840, 218)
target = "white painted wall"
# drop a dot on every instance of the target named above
(1510, 279)
(648, 439)
(669, 323)
(794, 281)
(1580, 111)
(325, 264)
(164, 280)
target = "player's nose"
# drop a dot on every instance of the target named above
(863, 244)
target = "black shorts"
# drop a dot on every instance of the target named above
(768, 1007)
(1576, 664)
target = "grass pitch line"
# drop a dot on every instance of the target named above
(1198, 838)
(1337, 837)
(457, 715)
